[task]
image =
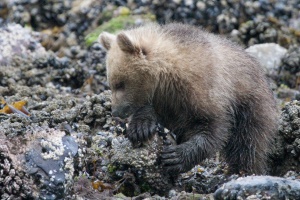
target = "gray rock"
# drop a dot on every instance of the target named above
(19, 43)
(259, 187)
(269, 56)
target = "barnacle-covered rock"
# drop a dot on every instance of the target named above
(39, 15)
(19, 44)
(49, 159)
(266, 31)
(142, 162)
(218, 16)
(290, 68)
(138, 166)
(25, 61)
(61, 22)
(95, 110)
(287, 151)
(14, 182)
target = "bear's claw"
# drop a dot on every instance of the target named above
(142, 125)
(172, 159)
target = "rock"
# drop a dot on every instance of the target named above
(142, 162)
(286, 153)
(269, 56)
(290, 68)
(287, 94)
(259, 187)
(19, 43)
(50, 160)
(266, 30)
(25, 61)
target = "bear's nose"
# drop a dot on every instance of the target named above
(121, 111)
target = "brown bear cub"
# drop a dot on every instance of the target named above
(208, 91)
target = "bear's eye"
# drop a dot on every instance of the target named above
(120, 86)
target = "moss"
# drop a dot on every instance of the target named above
(111, 168)
(112, 26)
(124, 11)
(116, 24)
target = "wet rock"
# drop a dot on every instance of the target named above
(50, 161)
(259, 187)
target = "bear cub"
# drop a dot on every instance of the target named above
(207, 90)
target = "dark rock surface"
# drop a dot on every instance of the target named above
(50, 161)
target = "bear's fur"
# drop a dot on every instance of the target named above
(208, 91)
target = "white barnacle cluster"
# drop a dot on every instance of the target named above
(69, 167)
(123, 152)
(54, 148)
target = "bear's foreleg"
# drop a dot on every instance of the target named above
(202, 144)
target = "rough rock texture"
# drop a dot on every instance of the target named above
(138, 168)
(287, 152)
(25, 61)
(14, 182)
(220, 16)
(36, 155)
(266, 31)
(290, 68)
(259, 187)
(19, 43)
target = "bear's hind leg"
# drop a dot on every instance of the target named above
(249, 142)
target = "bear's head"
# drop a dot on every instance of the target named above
(129, 73)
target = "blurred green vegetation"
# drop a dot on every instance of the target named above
(115, 24)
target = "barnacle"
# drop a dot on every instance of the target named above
(15, 107)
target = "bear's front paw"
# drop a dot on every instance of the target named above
(142, 126)
(172, 159)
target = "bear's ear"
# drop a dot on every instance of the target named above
(106, 39)
(126, 44)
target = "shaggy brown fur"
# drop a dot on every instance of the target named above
(205, 89)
